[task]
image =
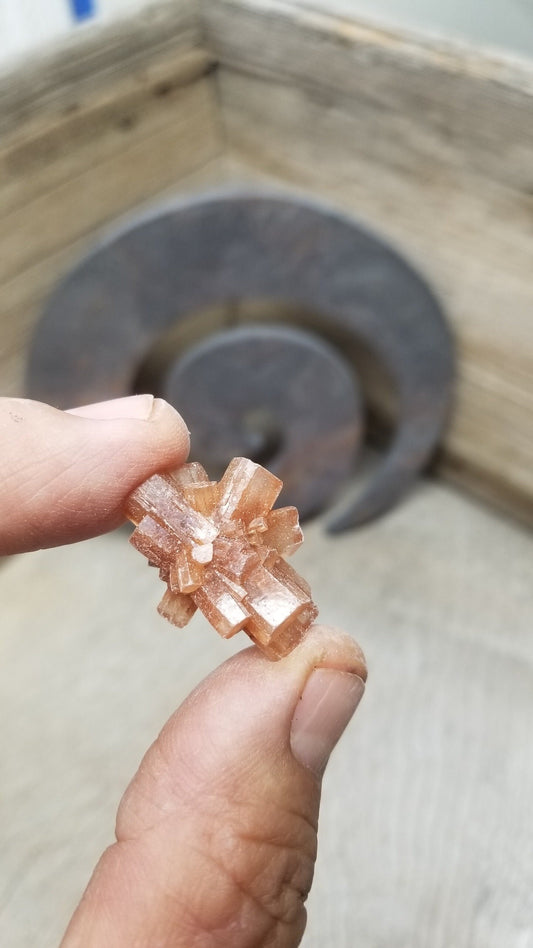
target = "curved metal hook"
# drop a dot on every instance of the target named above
(234, 246)
(278, 395)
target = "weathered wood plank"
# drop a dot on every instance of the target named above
(57, 83)
(437, 103)
(35, 162)
(24, 295)
(88, 133)
(429, 145)
(44, 234)
(166, 142)
(434, 148)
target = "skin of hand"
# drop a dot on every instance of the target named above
(216, 834)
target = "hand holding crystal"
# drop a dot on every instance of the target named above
(216, 834)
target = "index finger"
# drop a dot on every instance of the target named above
(64, 476)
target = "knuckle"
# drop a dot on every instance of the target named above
(269, 855)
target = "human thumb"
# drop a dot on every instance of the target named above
(216, 835)
(65, 476)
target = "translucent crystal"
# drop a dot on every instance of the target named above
(247, 491)
(238, 556)
(190, 474)
(283, 532)
(186, 574)
(155, 542)
(219, 604)
(290, 578)
(177, 608)
(203, 553)
(273, 607)
(160, 497)
(203, 497)
(220, 547)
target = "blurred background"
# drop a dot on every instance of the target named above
(28, 24)
(413, 121)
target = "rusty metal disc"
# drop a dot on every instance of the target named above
(107, 313)
(278, 395)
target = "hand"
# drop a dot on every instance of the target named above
(216, 834)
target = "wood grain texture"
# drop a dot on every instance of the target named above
(433, 147)
(430, 145)
(426, 831)
(89, 133)
(51, 83)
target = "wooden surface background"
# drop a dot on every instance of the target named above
(426, 833)
(427, 827)
(429, 144)
(88, 133)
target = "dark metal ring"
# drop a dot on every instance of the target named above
(108, 312)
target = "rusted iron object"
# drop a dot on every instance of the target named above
(107, 314)
(278, 395)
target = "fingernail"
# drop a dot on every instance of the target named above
(328, 701)
(136, 407)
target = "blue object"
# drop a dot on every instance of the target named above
(83, 9)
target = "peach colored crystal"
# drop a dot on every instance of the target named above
(219, 548)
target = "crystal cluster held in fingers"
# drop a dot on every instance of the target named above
(220, 548)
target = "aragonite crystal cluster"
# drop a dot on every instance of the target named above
(220, 548)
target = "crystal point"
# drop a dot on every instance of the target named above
(220, 547)
(177, 608)
(283, 532)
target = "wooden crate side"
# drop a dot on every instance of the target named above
(433, 148)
